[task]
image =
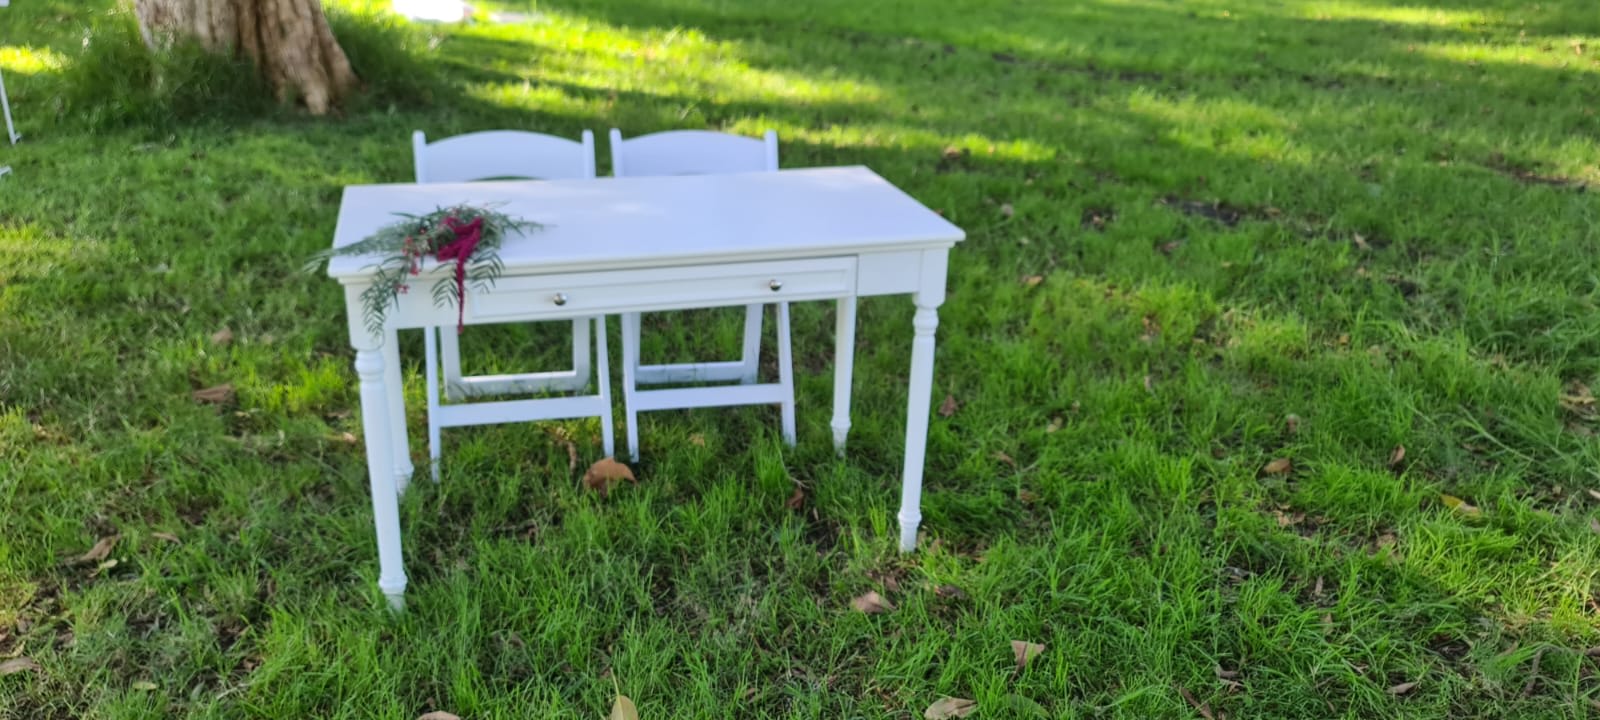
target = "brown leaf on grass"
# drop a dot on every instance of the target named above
(1291, 423)
(949, 707)
(948, 407)
(1361, 242)
(217, 395)
(605, 473)
(1403, 688)
(697, 440)
(1007, 210)
(1577, 397)
(1288, 519)
(1316, 590)
(1027, 497)
(1150, 383)
(872, 603)
(169, 537)
(1223, 674)
(1032, 280)
(1594, 493)
(1594, 525)
(1278, 466)
(623, 709)
(1397, 456)
(99, 552)
(797, 500)
(1199, 707)
(950, 592)
(1055, 424)
(17, 665)
(1459, 505)
(1002, 457)
(222, 337)
(439, 715)
(1025, 651)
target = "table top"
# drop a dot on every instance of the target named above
(610, 223)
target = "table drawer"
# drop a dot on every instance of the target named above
(689, 286)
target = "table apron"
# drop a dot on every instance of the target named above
(553, 296)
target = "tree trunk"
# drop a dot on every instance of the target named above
(288, 40)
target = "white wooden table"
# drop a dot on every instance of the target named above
(616, 245)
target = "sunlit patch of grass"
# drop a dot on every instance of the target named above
(25, 60)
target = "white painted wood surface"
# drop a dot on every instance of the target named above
(651, 242)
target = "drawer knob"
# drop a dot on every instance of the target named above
(775, 285)
(559, 299)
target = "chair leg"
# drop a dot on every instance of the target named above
(450, 362)
(608, 430)
(630, 369)
(786, 373)
(752, 342)
(397, 412)
(5, 106)
(582, 357)
(430, 342)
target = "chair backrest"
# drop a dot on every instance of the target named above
(502, 154)
(691, 152)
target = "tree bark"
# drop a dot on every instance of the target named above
(289, 40)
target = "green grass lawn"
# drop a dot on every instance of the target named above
(1202, 236)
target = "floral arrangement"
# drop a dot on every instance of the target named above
(467, 236)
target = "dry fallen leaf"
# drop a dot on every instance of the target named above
(948, 407)
(1025, 651)
(1278, 466)
(872, 603)
(1292, 423)
(797, 500)
(949, 707)
(222, 337)
(99, 552)
(1403, 688)
(1055, 424)
(439, 715)
(16, 665)
(623, 709)
(1002, 457)
(606, 472)
(1594, 525)
(217, 395)
(697, 440)
(1027, 497)
(1199, 707)
(1032, 280)
(950, 592)
(1459, 505)
(1594, 493)
(1007, 210)
(1397, 456)
(169, 537)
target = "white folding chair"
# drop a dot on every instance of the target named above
(511, 154)
(701, 152)
(5, 109)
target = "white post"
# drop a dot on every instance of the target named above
(929, 296)
(786, 374)
(844, 361)
(751, 358)
(370, 368)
